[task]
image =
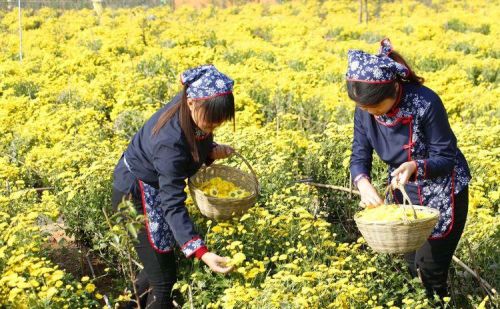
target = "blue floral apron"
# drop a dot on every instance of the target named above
(437, 193)
(159, 233)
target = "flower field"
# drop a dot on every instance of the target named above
(87, 82)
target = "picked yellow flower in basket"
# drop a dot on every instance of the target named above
(218, 187)
(222, 192)
(392, 228)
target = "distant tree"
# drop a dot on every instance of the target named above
(363, 6)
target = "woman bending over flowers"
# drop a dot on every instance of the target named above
(407, 125)
(171, 147)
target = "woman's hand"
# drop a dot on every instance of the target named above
(221, 152)
(216, 263)
(402, 174)
(369, 196)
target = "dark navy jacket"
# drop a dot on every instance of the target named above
(416, 129)
(165, 163)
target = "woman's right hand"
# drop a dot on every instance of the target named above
(216, 263)
(369, 196)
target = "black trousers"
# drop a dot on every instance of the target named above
(433, 259)
(154, 283)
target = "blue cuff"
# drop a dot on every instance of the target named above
(359, 177)
(191, 246)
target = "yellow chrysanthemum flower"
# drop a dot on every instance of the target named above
(218, 187)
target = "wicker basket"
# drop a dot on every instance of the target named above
(224, 208)
(400, 236)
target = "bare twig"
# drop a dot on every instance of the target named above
(133, 260)
(489, 288)
(350, 186)
(21, 162)
(130, 260)
(36, 189)
(191, 305)
(320, 185)
(7, 188)
(360, 11)
(114, 245)
(475, 269)
(132, 277)
(20, 33)
(42, 189)
(106, 300)
(90, 265)
(366, 11)
(107, 218)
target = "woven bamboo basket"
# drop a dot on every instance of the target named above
(402, 236)
(224, 208)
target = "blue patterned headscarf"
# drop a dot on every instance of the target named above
(205, 81)
(367, 68)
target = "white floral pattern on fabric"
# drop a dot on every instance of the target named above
(434, 192)
(385, 47)
(365, 67)
(159, 233)
(206, 81)
(421, 169)
(439, 195)
(191, 246)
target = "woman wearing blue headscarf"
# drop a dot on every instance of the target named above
(407, 125)
(171, 146)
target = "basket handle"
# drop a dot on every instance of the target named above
(406, 200)
(257, 185)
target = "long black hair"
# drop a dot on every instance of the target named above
(215, 110)
(366, 94)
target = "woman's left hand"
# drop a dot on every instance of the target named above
(402, 174)
(221, 152)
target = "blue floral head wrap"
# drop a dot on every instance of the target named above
(205, 81)
(376, 69)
